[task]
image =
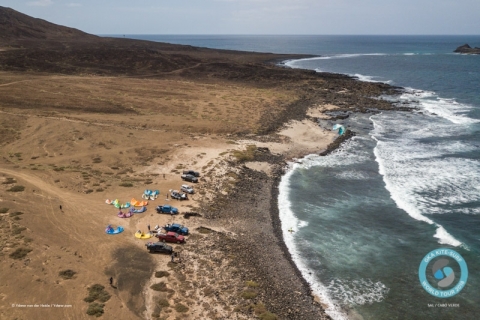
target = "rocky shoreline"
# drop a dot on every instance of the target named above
(251, 212)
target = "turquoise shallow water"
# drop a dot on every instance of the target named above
(408, 183)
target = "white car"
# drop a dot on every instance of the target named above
(187, 189)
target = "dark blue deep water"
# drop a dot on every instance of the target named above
(409, 182)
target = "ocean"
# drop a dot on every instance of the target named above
(366, 216)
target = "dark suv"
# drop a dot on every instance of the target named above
(193, 173)
(190, 178)
(159, 247)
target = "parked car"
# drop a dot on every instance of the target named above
(171, 237)
(175, 194)
(190, 178)
(187, 189)
(176, 227)
(159, 247)
(166, 209)
(191, 172)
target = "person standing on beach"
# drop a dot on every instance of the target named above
(111, 281)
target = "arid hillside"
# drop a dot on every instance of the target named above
(16, 26)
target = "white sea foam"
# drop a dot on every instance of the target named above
(426, 178)
(352, 175)
(365, 78)
(445, 238)
(290, 221)
(349, 152)
(446, 108)
(403, 193)
(414, 94)
(358, 291)
(294, 63)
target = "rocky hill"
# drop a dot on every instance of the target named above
(18, 26)
(467, 49)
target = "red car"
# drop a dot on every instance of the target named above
(171, 237)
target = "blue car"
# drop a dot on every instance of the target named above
(176, 227)
(166, 209)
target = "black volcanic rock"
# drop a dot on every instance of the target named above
(467, 49)
(18, 26)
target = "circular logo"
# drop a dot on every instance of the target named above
(442, 272)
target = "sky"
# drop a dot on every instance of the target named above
(258, 16)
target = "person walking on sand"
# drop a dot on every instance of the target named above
(148, 227)
(60, 207)
(111, 281)
(173, 256)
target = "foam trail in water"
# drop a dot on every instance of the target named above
(290, 221)
(365, 78)
(294, 63)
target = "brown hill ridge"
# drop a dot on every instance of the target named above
(18, 26)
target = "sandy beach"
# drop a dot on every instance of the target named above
(108, 118)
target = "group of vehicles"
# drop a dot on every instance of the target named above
(175, 232)
(185, 189)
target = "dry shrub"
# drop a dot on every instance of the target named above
(259, 308)
(172, 265)
(16, 189)
(247, 155)
(14, 214)
(249, 294)
(161, 286)
(126, 184)
(181, 308)
(9, 181)
(251, 284)
(160, 274)
(95, 309)
(20, 253)
(163, 303)
(97, 292)
(204, 230)
(17, 230)
(4, 210)
(67, 274)
(208, 291)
